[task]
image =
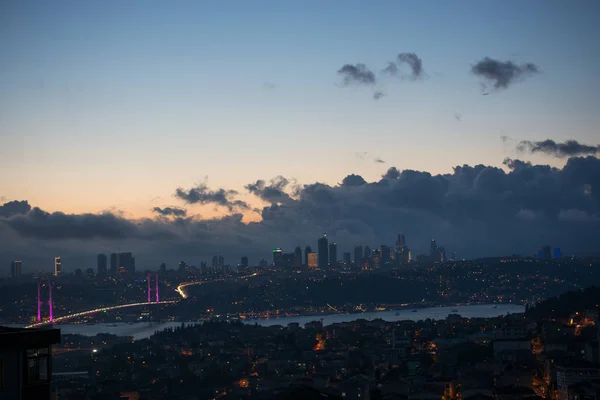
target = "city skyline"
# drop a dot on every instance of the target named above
(181, 132)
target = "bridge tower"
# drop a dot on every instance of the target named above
(40, 302)
(150, 275)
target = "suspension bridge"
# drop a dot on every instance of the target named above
(53, 320)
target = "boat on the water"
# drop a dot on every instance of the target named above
(414, 310)
(494, 306)
(397, 314)
(455, 310)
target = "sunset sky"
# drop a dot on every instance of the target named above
(113, 105)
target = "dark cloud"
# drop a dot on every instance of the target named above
(502, 74)
(201, 194)
(415, 63)
(40, 224)
(378, 160)
(170, 211)
(474, 210)
(392, 173)
(353, 180)
(411, 59)
(377, 95)
(569, 148)
(14, 208)
(273, 192)
(357, 74)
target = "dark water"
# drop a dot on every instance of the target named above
(141, 330)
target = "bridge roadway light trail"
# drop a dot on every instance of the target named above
(184, 295)
(89, 312)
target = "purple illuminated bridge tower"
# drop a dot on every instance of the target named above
(150, 275)
(40, 302)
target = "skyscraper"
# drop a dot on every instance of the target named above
(332, 255)
(162, 269)
(385, 254)
(401, 242)
(297, 257)
(307, 250)
(221, 261)
(57, 266)
(278, 258)
(16, 269)
(376, 258)
(102, 265)
(433, 249)
(244, 262)
(114, 264)
(347, 258)
(312, 260)
(323, 249)
(547, 252)
(125, 263)
(358, 254)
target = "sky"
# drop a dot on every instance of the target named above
(109, 107)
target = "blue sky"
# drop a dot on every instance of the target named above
(115, 104)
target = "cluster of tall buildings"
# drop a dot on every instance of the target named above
(326, 255)
(217, 266)
(120, 263)
(548, 253)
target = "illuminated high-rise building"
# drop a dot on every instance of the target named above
(376, 258)
(57, 266)
(307, 250)
(102, 265)
(126, 263)
(312, 260)
(278, 258)
(16, 268)
(332, 254)
(323, 250)
(221, 263)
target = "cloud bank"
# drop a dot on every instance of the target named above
(475, 210)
